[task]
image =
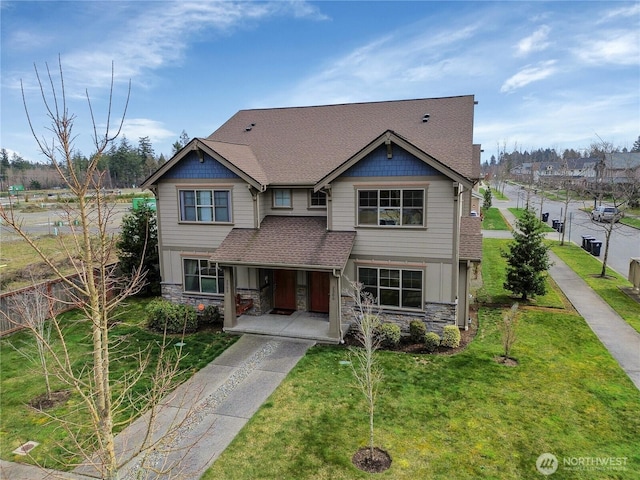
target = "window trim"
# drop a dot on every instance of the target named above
(281, 207)
(400, 288)
(219, 277)
(310, 197)
(389, 187)
(212, 189)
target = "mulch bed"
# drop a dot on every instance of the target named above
(408, 346)
(380, 462)
(41, 402)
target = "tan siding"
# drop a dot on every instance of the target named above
(435, 241)
(300, 205)
(188, 235)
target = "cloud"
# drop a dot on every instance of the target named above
(612, 47)
(159, 34)
(134, 128)
(536, 42)
(528, 75)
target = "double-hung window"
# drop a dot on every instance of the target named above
(391, 287)
(282, 198)
(317, 199)
(205, 206)
(202, 276)
(391, 207)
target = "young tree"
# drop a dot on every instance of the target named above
(508, 329)
(487, 200)
(364, 365)
(138, 244)
(97, 291)
(527, 258)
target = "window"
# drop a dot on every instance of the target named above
(282, 198)
(397, 207)
(317, 199)
(202, 276)
(205, 205)
(393, 287)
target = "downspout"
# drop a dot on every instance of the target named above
(338, 275)
(455, 268)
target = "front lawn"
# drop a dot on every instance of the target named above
(588, 268)
(493, 220)
(462, 416)
(21, 381)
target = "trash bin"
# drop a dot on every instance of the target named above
(554, 223)
(585, 239)
(595, 248)
(588, 242)
(545, 217)
(560, 227)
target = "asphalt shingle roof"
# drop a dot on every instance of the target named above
(470, 238)
(300, 145)
(287, 241)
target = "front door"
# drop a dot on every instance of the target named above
(284, 295)
(319, 292)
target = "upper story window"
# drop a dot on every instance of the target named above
(205, 205)
(392, 287)
(317, 199)
(395, 207)
(282, 198)
(202, 276)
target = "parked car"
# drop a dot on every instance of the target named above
(606, 214)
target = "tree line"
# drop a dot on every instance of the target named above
(124, 165)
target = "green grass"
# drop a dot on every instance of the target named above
(494, 275)
(588, 268)
(21, 381)
(493, 220)
(518, 212)
(631, 221)
(440, 417)
(462, 416)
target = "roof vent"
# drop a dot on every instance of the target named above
(425, 118)
(248, 129)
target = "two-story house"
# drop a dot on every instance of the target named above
(281, 207)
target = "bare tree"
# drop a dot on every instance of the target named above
(34, 308)
(98, 291)
(366, 370)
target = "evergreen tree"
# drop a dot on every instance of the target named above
(139, 240)
(527, 258)
(486, 205)
(636, 145)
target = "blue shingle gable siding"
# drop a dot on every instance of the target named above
(190, 167)
(403, 164)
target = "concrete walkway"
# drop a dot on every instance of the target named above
(198, 420)
(622, 340)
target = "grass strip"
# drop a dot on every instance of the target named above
(518, 212)
(588, 268)
(493, 220)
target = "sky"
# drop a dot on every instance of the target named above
(545, 74)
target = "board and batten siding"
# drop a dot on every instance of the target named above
(434, 241)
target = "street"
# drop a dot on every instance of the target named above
(624, 242)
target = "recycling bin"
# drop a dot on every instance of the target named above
(588, 242)
(585, 239)
(545, 217)
(554, 223)
(560, 227)
(595, 248)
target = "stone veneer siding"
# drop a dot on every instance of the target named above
(174, 294)
(435, 317)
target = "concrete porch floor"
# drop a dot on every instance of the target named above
(306, 325)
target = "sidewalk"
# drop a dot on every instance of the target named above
(622, 341)
(201, 418)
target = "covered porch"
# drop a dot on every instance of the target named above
(300, 324)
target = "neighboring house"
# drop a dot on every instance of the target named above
(280, 206)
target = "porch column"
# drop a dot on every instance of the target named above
(335, 310)
(230, 319)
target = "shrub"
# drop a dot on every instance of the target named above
(389, 334)
(431, 341)
(417, 331)
(174, 318)
(450, 336)
(210, 315)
